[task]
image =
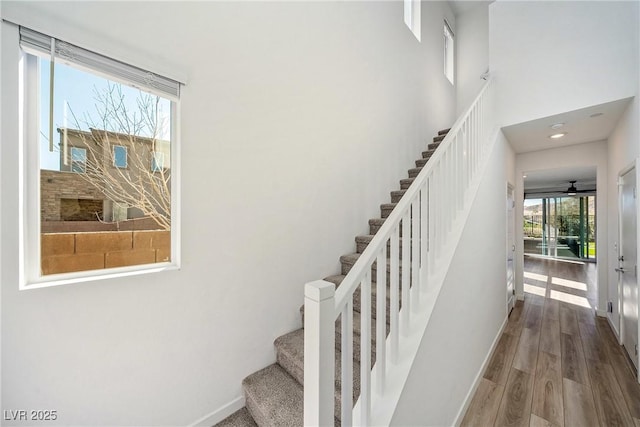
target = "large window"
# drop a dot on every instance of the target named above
(560, 227)
(93, 126)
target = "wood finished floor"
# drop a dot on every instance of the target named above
(556, 363)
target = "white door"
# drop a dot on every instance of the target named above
(628, 264)
(511, 248)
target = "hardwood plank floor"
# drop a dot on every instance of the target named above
(556, 363)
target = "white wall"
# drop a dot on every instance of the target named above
(591, 154)
(553, 57)
(472, 53)
(470, 310)
(297, 120)
(622, 151)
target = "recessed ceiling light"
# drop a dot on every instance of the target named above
(556, 126)
(557, 135)
(596, 114)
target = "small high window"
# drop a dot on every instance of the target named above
(120, 156)
(449, 53)
(412, 16)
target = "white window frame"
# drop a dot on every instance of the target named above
(126, 156)
(449, 50)
(28, 157)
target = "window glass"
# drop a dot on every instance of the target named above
(120, 156)
(112, 211)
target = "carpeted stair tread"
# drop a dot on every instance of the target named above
(421, 162)
(406, 182)
(375, 224)
(433, 145)
(396, 195)
(290, 356)
(240, 418)
(349, 260)
(386, 208)
(363, 241)
(413, 172)
(439, 138)
(274, 398)
(427, 154)
(443, 131)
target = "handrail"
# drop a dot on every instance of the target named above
(351, 281)
(429, 217)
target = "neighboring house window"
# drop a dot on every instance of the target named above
(78, 160)
(449, 53)
(412, 17)
(106, 121)
(157, 161)
(120, 156)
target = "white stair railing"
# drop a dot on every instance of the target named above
(421, 233)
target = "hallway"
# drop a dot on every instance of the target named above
(556, 364)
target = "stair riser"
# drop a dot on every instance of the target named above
(433, 145)
(444, 131)
(385, 212)
(438, 138)
(256, 414)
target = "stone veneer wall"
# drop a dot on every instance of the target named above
(68, 252)
(56, 185)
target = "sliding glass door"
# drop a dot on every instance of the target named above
(560, 227)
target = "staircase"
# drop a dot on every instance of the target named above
(274, 395)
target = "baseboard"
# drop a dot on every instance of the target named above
(219, 414)
(616, 333)
(601, 313)
(476, 381)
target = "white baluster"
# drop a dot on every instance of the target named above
(393, 311)
(381, 319)
(415, 254)
(406, 272)
(346, 410)
(424, 233)
(365, 349)
(319, 353)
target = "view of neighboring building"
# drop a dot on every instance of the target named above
(107, 177)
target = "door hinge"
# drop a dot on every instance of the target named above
(609, 307)
(636, 349)
(513, 291)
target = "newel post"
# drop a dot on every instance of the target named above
(319, 353)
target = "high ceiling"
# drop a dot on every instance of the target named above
(585, 125)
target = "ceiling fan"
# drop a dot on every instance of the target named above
(572, 190)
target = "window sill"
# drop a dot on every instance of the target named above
(94, 275)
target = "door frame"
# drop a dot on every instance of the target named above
(632, 166)
(511, 246)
